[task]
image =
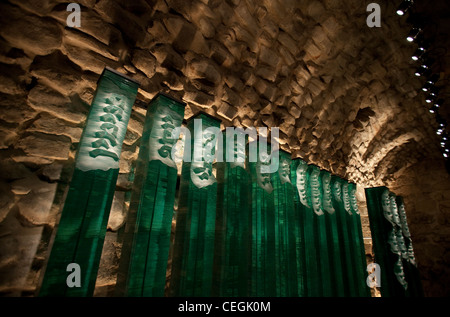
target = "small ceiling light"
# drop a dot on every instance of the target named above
(427, 87)
(418, 54)
(439, 132)
(413, 34)
(422, 70)
(445, 155)
(434, 109)
(438, 103)
(404, 7)
(447, 150)
(433, 91)
(433, 79)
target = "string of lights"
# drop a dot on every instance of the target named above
(431, 91)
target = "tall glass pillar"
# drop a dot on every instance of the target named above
(383, 214)
(408, 258)
(146, 239)
(320, 231)
(286, 230)
(299, 197)
(263, 269)
(232, 253)
(335, 246)
(359, 254)
(81, 229)
(193, 253)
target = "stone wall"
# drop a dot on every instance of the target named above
(341, 93)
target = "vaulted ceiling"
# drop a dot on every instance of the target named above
(344, 95)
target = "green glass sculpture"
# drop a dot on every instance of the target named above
(146, 239)
(286, 230)
(341, 204)
(82, 227)
(193, 253)
(232, 251)
(359, 254)
(383, 216)
(320, 231)
(299, 181)
(313, 283)
(408, 258)
(262, 267)
(334, 242)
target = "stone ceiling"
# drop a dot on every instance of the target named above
(343, 95)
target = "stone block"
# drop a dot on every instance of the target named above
(227, 111)
(58, 72)
(49, 124)
(82, 40)
(45, 146)
(168, 58)
(204, 69)
(43, 98)
(268, 56)
(144, 61)
(88, 60)
(36, 199)
(33, 34)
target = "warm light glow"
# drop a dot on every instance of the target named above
(400, 12)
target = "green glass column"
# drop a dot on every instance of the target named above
(232, 248)
(312, 271)
(299, 182)
(382, 210)
(359, 254)
(286, 230)
(263, 274)
(341, 206)
(334, 242)
(320, 231)
(81, 229)
(193, 253)
(146, 239)
(408, 258)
